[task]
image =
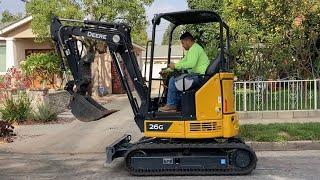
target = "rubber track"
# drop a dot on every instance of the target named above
(183, 172)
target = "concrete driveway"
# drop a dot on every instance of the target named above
(76, 150)
(76, 137)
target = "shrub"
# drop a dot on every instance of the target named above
(43, 65)
(2, 82)
(45, 113)
(6, 130)
(14, 79)
(16, 109)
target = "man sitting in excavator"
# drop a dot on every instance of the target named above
(195, 61)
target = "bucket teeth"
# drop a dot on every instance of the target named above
(86, 109)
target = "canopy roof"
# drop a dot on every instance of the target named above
(189, 17)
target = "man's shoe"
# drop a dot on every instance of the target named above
(168, 108)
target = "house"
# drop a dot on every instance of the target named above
(160, 58)
(17, 42)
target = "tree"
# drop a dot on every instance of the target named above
(270, 39)
(217, 5)
(9, 17)
(131, 12)
(287, 31)
(175, 36)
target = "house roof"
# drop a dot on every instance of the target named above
(11, 26)
(3, 25)
(161, 51)
(7, 27)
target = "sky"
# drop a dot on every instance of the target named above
(14, 6)
(158, 6)
(161, 6)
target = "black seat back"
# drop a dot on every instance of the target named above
(214, 66)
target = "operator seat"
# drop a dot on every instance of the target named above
(187, 82)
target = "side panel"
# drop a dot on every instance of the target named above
(228, 96)
(226, 127)
(230, 125)
(209, 100)
(164, 129)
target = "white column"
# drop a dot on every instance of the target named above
(10, 53)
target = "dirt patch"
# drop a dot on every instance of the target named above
(108, 99)
(60, 120)
(7, 139)
(24, 137)
(10, 132)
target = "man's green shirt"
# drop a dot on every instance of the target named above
(195, 59)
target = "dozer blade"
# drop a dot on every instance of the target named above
(86, 109)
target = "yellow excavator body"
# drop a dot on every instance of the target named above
(215, 114)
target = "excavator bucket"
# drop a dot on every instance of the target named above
(86, 109)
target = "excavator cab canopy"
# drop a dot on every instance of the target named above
(188, 17)
(223, 58)
(193, 17)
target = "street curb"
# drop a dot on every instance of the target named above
(285, 146)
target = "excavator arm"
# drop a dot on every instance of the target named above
(118, 41)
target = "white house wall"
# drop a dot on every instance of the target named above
(23, 44)
(2, 56)
(10, 53)
(16, 50)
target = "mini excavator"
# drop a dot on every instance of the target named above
(201, 139)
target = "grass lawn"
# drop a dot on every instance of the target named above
(280, 132)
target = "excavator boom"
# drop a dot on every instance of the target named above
(117, 38)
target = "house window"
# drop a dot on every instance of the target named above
(2, 58)
(32, 51)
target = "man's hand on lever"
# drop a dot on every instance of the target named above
(165, 71)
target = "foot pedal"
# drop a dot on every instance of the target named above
(86, 109)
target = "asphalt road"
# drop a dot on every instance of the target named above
(271, 165)
(76, 151)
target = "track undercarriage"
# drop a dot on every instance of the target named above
(184, 157)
